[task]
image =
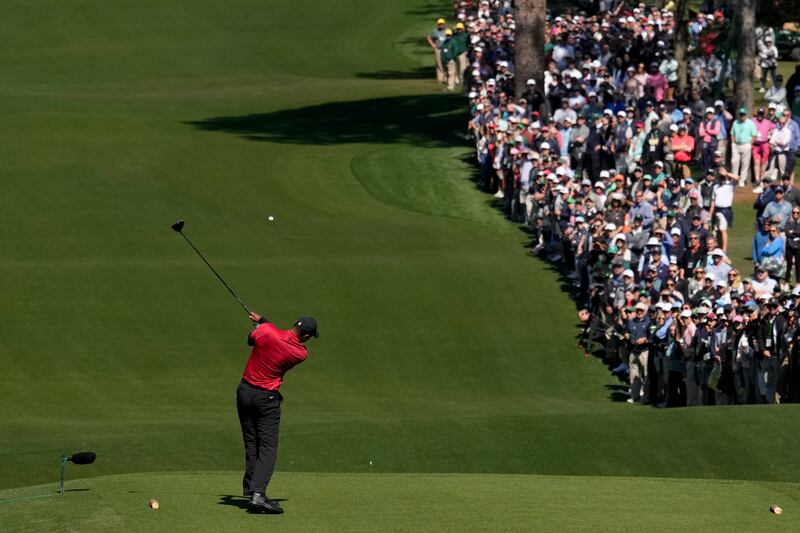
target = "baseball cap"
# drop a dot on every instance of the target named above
(718, 251)
(652, 241)
(440, 21)
(742, 110)
(307, 325)
(627, 273)
(531, 82)
(448, 32)
(460, 26)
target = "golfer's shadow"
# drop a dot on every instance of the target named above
(240, 501)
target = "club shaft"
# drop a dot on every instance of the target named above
(246, 310)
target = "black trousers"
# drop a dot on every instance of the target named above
(259, 415)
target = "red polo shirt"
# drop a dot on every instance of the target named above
(274, 353)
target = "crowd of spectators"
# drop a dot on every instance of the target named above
(627, 183)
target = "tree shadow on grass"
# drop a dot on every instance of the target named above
(431, 120)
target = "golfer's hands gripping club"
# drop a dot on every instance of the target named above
(255, 318)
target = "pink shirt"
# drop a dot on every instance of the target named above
(763, 129)
(659, 84)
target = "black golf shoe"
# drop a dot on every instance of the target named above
(261, 505)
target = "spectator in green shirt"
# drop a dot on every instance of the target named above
(743, 132)
(461, 43)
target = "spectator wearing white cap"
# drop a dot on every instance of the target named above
(709, 136)
(718, 267)
(725, 119)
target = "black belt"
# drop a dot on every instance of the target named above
(257, 387)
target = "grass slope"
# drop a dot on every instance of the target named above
(444, 347)
(209, 501)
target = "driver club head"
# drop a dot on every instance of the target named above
(178, 226)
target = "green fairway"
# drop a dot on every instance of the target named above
(444, 347)
(209, 501)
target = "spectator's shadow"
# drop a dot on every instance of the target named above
(432, 120)
(618, 393)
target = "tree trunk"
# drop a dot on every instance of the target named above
(746, 52)
(529, 44)
(681, 42)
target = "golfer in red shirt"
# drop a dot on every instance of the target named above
(275, 352)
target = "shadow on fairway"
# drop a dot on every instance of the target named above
(240, 501)
(421, 73)
(435, 121)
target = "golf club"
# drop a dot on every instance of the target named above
(178, 227)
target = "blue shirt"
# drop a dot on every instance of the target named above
(794, 145)
(723, 131)
(644, 209)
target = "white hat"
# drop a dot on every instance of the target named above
(718, 251)
(620, 237)
(586, 181)
(608, 112)
(659, 164)
(675, 231)
(710, 110)
(686, 111)
(772, 105)
(642, 306)
(719, 103)
(664, 306)
(473, 94)
(720, 283)
(580, 218)
(610, 226)
(673, 127)
(531, 82)
(621, 113)
(628, 273)
(479, 107)
(686, 313)
(491, 81)
(560, 171)
(652, 241)
(599, 185)
(604, 174)
(711, 276)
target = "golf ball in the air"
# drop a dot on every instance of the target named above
(270, 218)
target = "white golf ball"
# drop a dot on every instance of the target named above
(270, 218)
